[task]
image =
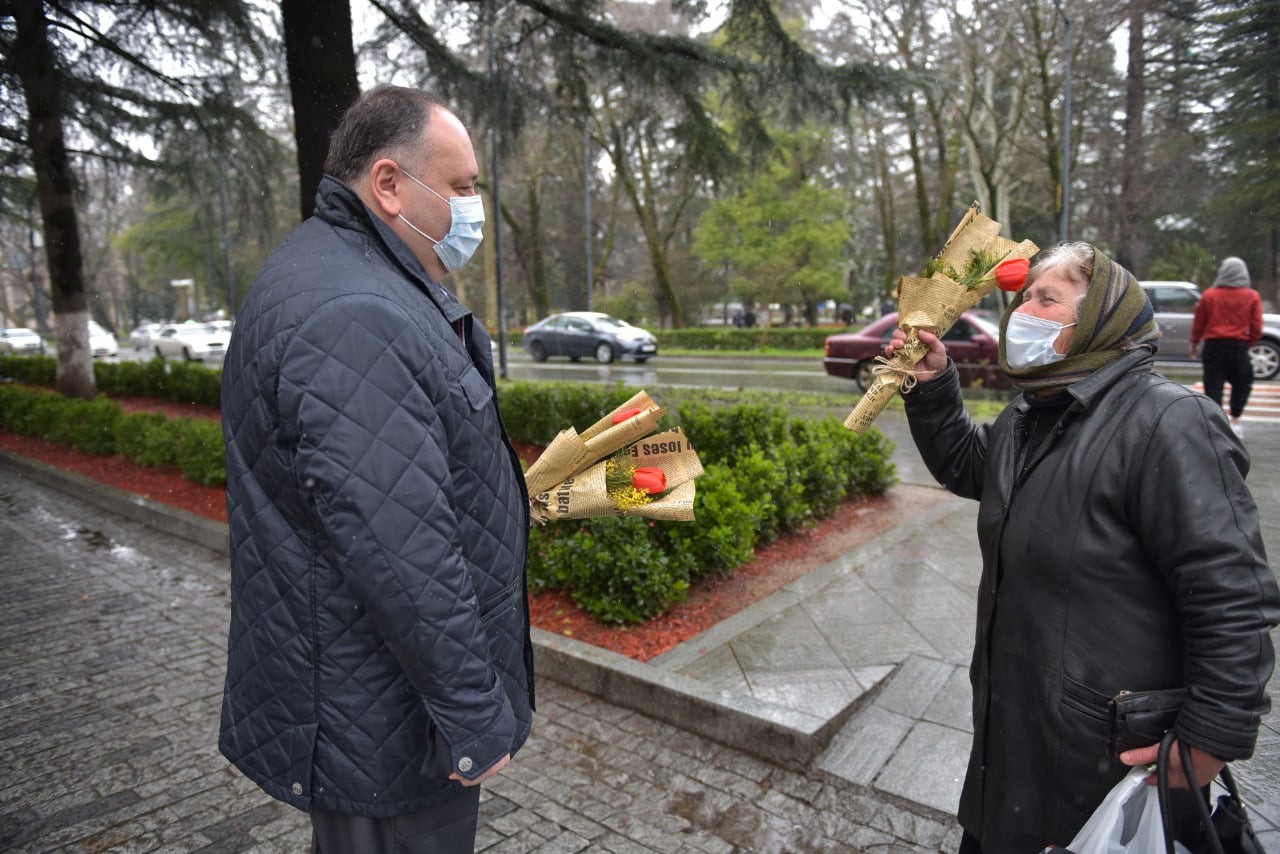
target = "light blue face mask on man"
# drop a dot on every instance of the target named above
(466, 227)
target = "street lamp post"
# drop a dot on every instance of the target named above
(586, 210)
(191, 294)
(1063, 224)
(495, 141)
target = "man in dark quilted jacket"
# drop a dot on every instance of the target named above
(379, 666)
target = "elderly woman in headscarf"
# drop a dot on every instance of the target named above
(1228, 322)
(1121, 552)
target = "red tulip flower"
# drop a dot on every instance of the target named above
(626, 414)
(649, 479)
(1011, 275)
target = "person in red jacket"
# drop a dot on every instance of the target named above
(1228, 322)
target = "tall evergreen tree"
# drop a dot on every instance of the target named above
(1247, 61)
(93, 84)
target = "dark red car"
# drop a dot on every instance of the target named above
(972, 343)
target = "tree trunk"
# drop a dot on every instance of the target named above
(42, 86)
(322, 81)
(884, 201)
(1130, 249)
(538, 289)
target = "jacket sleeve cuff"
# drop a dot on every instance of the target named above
(470, 757)
(947, 382)
(1215, 736)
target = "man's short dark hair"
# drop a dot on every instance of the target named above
(385, 121)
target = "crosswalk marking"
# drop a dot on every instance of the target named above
(1263, 405)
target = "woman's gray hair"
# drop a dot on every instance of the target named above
(387, 121)
(1073, 261)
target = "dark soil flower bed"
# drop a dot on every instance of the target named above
(710, 600)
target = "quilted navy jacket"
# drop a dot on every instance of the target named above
(379, 633)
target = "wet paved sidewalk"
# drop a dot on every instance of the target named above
(112, 648)
(844, 700)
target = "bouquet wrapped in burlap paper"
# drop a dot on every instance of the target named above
(955, 281)
(616, 468)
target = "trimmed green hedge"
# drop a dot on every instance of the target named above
(192, 445)
(184, 382)
(767, 473)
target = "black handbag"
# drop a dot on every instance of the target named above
(1227, 829)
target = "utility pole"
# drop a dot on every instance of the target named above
(226, 247)
(497, 199)
(586, 211)
(1064, 222)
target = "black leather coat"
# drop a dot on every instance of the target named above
(379, 524)
(1123, 554)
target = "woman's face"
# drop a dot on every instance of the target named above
(1055, 297)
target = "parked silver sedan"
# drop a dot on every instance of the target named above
(588, 333)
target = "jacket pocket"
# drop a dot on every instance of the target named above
(1084, 700)
(476, 389)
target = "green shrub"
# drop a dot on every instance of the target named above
(191, 382)
(819, 464)
(730, 339)
(148, 439)
(138, 379)
(535, 412)
(88, 425)
(612, 568)
(180, 381)
(724, 531)
(27, 411)
(722, 433)
(101, 427)
(199, 451)
(32, 370)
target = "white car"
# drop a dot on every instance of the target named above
(191, 341)
(102, 342)
(140, 338)
(17, 340)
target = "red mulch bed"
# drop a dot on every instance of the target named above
(710, 600)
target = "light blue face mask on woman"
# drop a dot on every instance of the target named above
(1029, 340)
(466, 227)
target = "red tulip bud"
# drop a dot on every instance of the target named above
(1011, 275)
(626, 414)
(649, 479)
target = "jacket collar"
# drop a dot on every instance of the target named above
(339, 205)
(1088, 390)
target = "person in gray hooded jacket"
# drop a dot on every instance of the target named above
(1121, 551)
(379, 664)
(1228, 321)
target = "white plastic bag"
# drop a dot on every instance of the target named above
(1126, 822)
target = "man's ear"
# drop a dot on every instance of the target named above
(384, 186)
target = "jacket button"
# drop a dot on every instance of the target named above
(464, 764)
(297, 788)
